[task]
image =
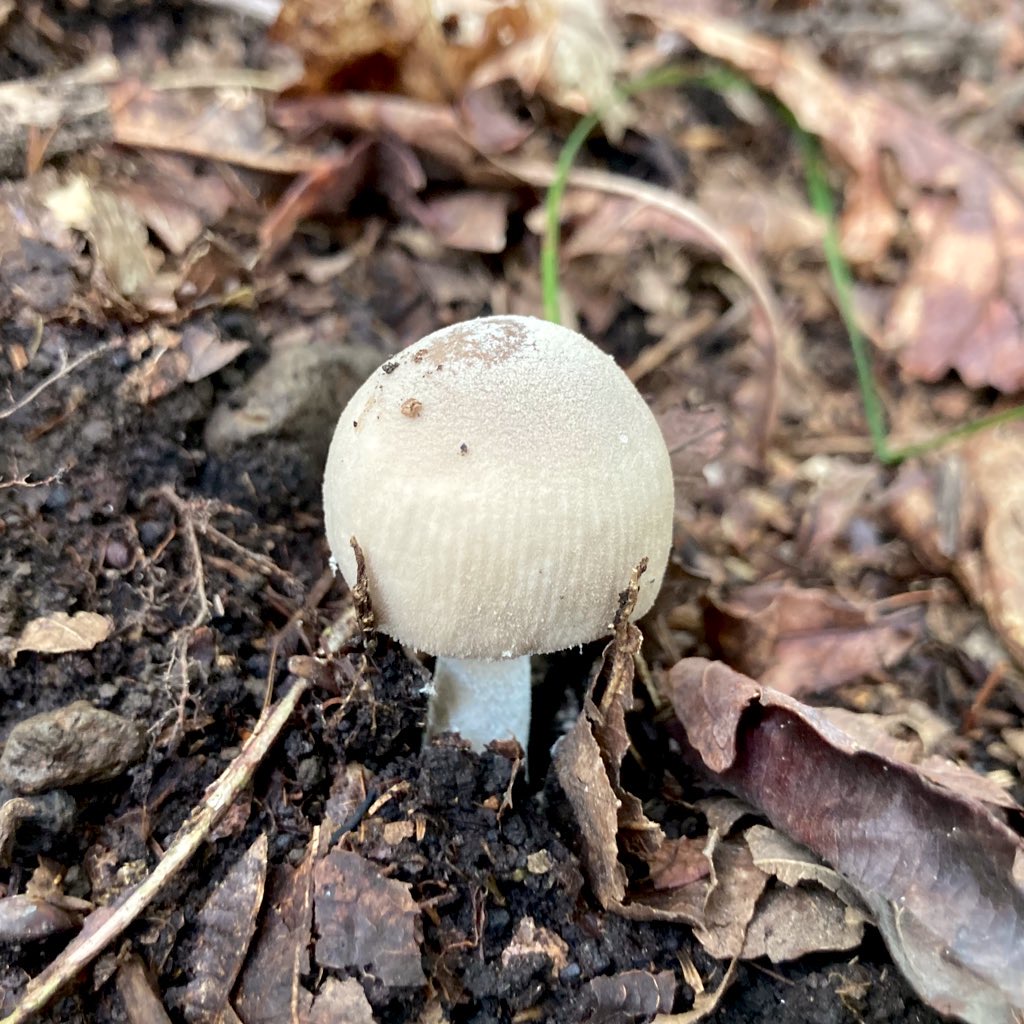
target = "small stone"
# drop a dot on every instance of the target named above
(68, 747)
(117, 554)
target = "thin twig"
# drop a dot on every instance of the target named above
(23, 481)
(62, 371)
(676, 339)
(185, 515)
(104, 925)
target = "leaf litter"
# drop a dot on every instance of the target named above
(215, 278)
(939, 871)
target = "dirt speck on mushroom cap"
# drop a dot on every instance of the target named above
(525, 546)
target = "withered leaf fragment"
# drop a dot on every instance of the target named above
(366, 922)
(270, 988)
(59, 633)
(25, 918)
(805, 640)
(341, 1001)
(939, 871)
(226, 923)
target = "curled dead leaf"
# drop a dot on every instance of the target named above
(965, 512)
(937, 869)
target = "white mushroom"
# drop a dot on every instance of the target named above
(503, 478)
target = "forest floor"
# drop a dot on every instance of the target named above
(210, 237)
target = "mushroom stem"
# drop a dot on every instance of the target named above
(481, 700)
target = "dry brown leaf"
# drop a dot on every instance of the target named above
(358, 44)
(815, 910)
(569, 51)
(887, 736)
(940, 873)
(430, 127)
(964, 511)
(566, 50)
(173, 358)
(116, 232)
(731, 903)
(207, 352)
(228, 124)
(790, 923)
(328, 185)
(778, 855)
(59, 633)
(680, 862)
(270, 985)
(584, 780)
(962, 301)
(714, 886)
(471, 220)
(840, 495)
(176, 199)
(341, 1001)
(366, 922)
(226, 923)
(808, 640)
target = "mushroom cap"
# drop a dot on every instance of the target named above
(503, 478)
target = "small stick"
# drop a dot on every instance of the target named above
(984, 694)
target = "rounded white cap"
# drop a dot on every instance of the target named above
(503, 478)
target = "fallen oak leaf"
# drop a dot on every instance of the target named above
(941, 873)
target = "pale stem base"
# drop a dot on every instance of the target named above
(481, 700)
